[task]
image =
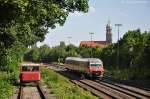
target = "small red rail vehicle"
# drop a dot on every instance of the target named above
(30, 72)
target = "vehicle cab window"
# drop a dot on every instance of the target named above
(96, 65)
(25, 68)
(35, 68)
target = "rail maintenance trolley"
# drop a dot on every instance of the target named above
(29, 72)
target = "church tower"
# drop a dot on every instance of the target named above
(108, 33)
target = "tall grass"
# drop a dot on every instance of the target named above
(62, 87)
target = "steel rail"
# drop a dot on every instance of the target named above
(108, 90)
(40, 91)
(20, 95)
(93, 90)
(132, 92)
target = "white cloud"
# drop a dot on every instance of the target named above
(77, 13)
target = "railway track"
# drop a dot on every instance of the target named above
(110, 91)
(133, 91)
(127, 82)
(31, 92)
(95, 91)
(107, 89)
(101, 90)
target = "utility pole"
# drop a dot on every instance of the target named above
(91, 42)
(118, 26)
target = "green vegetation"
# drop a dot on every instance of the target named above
(133, 64)
(59, 53)
(47, 54)
(129, 74)
(137, 75)
(62, 87)
(25, 22)
(137, 57)
(6, 88)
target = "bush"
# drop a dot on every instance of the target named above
(6, 88)
(129, 74)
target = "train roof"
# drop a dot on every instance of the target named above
(83, 59)
(29, 64)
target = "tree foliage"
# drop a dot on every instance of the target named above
(27, 22)
(138, 56)
(54, 54)
(134, 55)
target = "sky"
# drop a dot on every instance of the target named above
(132, 14)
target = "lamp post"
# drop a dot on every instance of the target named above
(118, 26)
(91, 42)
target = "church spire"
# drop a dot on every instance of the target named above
(108, 33)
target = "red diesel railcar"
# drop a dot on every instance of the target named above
(91, 67)
(30, 72)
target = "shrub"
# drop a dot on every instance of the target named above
(6, 88)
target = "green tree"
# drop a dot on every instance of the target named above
(108, 55)
(33, 55)
(142, 58)
(71, 51)
(27, 22)
(44, 51)
(84, 51)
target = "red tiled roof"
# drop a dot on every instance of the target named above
(93, 43)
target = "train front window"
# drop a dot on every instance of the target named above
(95, 65)
(30, 68)
(25, 68)
(35, 68)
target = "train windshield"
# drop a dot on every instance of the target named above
(35, 68)
(96, 65)
(30, 68)
(25, 68)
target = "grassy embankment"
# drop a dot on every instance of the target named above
(141, 75)
(129, 73)
(62, 87)
(6, 87)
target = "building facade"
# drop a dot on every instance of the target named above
(108, 40)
